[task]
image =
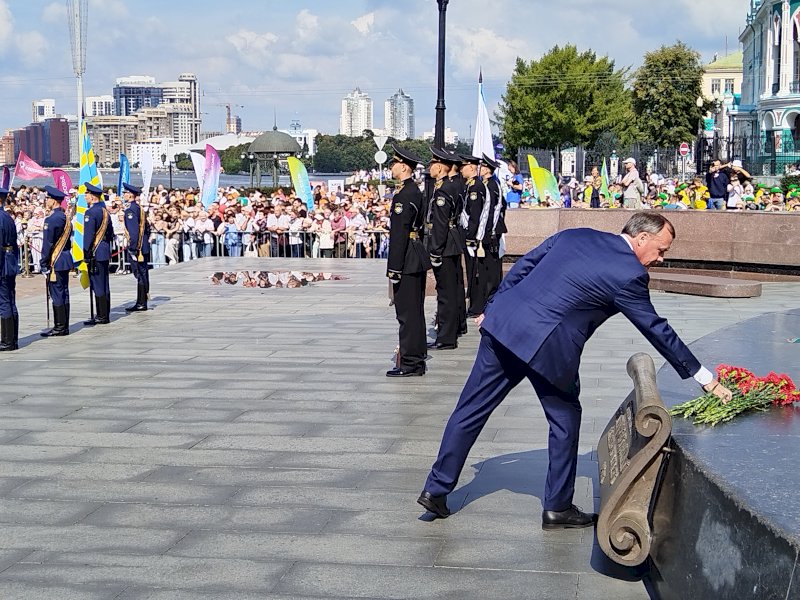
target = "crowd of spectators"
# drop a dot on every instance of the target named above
(354, 222)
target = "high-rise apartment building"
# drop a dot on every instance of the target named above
(399, 116)
(135, 92)
(356, 113)
(43, 109)
(98, 106)
(46, 142)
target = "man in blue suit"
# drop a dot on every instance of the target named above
(98, 233)
(535, 327)
(56, 262)
(9, 267)
(138, 230)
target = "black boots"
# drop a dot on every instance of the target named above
(103, 311)
(61, 322)
(141, 299)
(9, 326)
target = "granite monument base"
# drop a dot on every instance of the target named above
(726, 522)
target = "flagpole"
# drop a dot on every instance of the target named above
(78, 11)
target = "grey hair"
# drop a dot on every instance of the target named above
(647, 222)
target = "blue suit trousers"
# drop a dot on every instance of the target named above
(8, 297)
(99, 280)
(59, 289)
(495, 373)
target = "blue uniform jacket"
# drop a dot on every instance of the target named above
(9, 266)
(92, 220)
(53, 229)
(556, 296)
(133, 216)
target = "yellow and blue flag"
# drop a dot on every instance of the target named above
(88, 174)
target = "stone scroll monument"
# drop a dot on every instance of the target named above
(630, 455)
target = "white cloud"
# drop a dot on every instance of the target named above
(32, 48)
(6, 24)
(307, 25)
(475, 48)
(55, 13)
(364, 23)
(253, 48)
(717, 17)
(114, 9)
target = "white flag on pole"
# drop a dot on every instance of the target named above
(199, 164)
(146, 165)
(482, 144)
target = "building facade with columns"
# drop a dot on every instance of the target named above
(766, 123)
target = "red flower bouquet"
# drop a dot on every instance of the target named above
(750, 392)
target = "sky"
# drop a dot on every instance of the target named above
(298, 59)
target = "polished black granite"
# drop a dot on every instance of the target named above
(728, 517)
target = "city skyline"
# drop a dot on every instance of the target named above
(311, 55)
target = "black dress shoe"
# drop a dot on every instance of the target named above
(90, 322)
(434, 504)
(397, 372)
(572, 518)
(439, 346)
(136, 308)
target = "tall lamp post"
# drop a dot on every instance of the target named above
(438, 130)
(250, 159)
(164, 162)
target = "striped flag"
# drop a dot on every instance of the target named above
(88, 174)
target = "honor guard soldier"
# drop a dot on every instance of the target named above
(9, 267)
(474, 196)
(138, 233)
(495, 227)
(445, 245)
(407, 264)
(56, 260)
(98, 233)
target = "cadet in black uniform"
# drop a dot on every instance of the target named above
(445, 247)
(98, 233)
(56, 260)
(138, 233)
(474, 196)
(9, 267)
(495, 227)
(407, 264)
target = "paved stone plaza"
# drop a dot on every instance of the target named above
(245, 443)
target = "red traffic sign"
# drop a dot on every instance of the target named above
(684, 149)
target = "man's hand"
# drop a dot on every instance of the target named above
(719, 390)
(479, 320)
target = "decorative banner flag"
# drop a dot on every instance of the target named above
(28, 169)
(546, 185)
(6, 178)
(63, 184)
(482, 144)
(604, 186)
(533, 164)
(302, 186)
(199, 164)
(211, 176)
(146, 164)
(88, 174)
(124, 173)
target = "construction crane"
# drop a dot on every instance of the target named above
(229, 125)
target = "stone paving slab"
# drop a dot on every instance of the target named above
(245, 443)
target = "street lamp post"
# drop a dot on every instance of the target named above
(250, 159)
(164, 163)
(438, 133)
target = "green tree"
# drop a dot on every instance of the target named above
(665, 92)
(183, 162)
(565, 98)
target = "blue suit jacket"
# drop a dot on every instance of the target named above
(92, 221)
(53, 230)
(557, 295)
(133, 216)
